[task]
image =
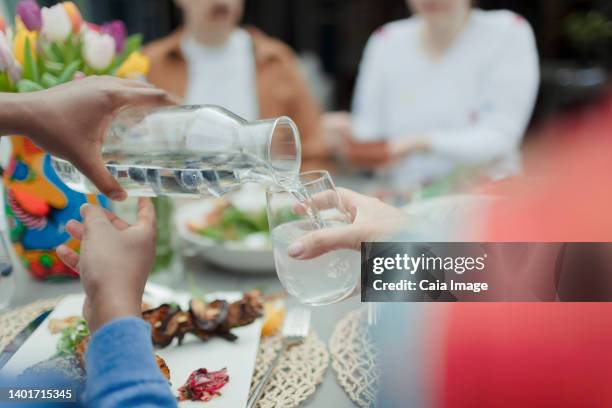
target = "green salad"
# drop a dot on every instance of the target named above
(229, 223)
(71, 337)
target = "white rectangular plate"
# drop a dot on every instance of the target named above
(238, 356)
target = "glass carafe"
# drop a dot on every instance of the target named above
(191, 151)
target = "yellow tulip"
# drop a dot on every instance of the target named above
(137, 65)
(21, 35)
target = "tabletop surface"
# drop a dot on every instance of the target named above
(203, 278)
(206, 278)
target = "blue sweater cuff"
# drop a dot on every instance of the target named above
(120, 354)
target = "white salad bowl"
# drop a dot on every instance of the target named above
(251, 255)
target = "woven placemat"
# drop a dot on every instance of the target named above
(14, 321)
(296, 377)
(355, 358)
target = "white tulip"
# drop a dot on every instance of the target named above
(98, 49)
(56, 25)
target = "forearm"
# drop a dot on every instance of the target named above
(17, 113)
(108, 305)
(475, 145)
(409, 145)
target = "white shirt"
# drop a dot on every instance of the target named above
(472, 105)
(223, 75)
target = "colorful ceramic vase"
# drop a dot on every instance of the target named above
(38, 206)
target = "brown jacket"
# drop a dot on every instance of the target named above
(281, 89)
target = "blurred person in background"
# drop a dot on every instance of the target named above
(451, 86)
(212, 60)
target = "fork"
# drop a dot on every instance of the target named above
(373, 314)
(295, 330)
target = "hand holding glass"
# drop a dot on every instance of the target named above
(293, 213)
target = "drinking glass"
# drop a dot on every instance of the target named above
(296, 209)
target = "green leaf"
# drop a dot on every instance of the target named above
(48, 80)
(40, 64)
(49, 55)
(57, 52)
(55, 68)
(5, 83)
(30, 69)
(71, 53)
(72, 49)
(132, 44)
(69, 72)
(88, 71)
(213, 233)
(25, 85)
(261, 220)
(71, 337)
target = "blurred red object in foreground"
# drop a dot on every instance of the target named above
(527, 355)
(566, 194)
(540, 354)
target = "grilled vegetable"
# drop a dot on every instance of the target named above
(166, 324)
(244, 311)
(208, 317)
(204, 320)
(163, 367)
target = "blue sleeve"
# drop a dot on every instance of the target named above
(121, 368)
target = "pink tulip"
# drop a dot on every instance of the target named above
(5, 53)
(93, 27)
(117, 30)
(8, 63)
(29, 12)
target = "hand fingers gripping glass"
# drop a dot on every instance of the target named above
(295, 212)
